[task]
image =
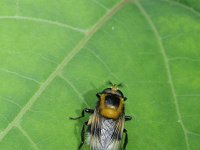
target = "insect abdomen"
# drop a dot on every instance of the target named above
(104, 138)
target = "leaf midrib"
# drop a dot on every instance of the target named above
(58, 70)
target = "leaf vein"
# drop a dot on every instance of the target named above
(184, 58)
(193, 133)
(168, 70)
(101, 5)
(28, 137)
(44, 21)
(188, 95)
(75, 89)
(60, 67)
(11, 101)
(103, 63)
(20, 75)
(191, 9)
(17, 7)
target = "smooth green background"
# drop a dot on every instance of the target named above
(56, 55)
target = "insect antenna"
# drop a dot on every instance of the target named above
(109, 83)
(115, 85)
(120, 85)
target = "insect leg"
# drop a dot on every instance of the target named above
(127, 118)
(87, 110)
(82, 135)
(126, 139)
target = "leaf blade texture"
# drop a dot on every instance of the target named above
(55, 56)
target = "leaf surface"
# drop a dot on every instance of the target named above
(56, 55)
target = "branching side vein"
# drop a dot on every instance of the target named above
(58, 70)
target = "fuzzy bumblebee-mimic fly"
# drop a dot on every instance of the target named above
(106, 124)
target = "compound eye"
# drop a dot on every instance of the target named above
(112, 100)
(119, 93)
(108, 90)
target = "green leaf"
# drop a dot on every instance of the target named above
(56, 55)
(190, 4)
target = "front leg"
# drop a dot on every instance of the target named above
(87, 110)
(127, 118)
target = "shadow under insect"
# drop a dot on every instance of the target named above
(90, 99)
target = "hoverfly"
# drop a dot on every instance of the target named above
(106, 124)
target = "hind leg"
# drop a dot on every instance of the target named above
(82, 135)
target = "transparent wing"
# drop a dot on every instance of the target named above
(105, 133)
(117, 134)
(95, 132)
